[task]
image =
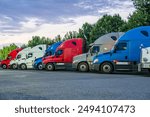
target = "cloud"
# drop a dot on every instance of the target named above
(48, 30)
(101, 7)
(21, 19)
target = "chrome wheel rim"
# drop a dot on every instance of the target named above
(106, 68)
(83, 67)
(40, 66)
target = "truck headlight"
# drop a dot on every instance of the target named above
(145, 59)
(95, 61)
(75, 61)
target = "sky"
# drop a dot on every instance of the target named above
(22, 19)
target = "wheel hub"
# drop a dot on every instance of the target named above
(106, 68)
(40, 66)
(49, 67)
(83, 67)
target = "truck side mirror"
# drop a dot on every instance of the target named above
(96, 53)
(115, 49)
(91, 52)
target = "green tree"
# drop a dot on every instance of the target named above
(36, 40)
(57, 38)
(106, 25)
(141, 17)
(85, 31)
(6, 50)
(70, 35)
(142, 5)
(137, 19)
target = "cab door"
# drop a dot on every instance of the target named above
(92, 52)
(30, 60)
(121, 52)
(59, 56)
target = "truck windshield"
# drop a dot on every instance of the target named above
(94, 49)
(121, 46)
(59, 52)
(48, 54)
(19, 56)
(30, 55)
(9, 57)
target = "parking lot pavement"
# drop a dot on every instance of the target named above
(32, 84)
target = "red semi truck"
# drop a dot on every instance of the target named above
(64, 54)
(11, 56)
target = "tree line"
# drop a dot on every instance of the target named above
(90, 32)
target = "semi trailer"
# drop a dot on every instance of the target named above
(11, 56)
(126, 53)
(103, 44)
(63, 57)
(48, 52)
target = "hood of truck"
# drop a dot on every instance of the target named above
(103, 57)
(81, 57)
(5, 61)
(12, 62)
(38, 60)
(49, 59)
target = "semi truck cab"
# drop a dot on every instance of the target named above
(48, 52)
(64, 54)
(125, 55)
(20, 56)
(31, 55)
(103, 44)
(145, 59)
(11, 56)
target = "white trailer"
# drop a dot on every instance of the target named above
(145, 59)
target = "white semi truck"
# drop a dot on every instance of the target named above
(29, 56)
(145, 59)
(20, 56)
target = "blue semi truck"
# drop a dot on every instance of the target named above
(48, 52)
(126, 53)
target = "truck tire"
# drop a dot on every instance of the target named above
(39, 66)
(149, 70)
(14, 66)
(106, 68)
(83, 67)
(23, 67)
(50, 67)
(4, 66)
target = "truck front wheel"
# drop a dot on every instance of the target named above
(23, 66)
(39, 66)
(50, 67)
(106, 68)
(4, 66)
(14, 66)
(83, 67)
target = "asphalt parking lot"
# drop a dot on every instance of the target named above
(62, 85)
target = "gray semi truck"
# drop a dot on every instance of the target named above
(103, 44)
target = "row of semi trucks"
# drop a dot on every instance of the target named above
(115, 51)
